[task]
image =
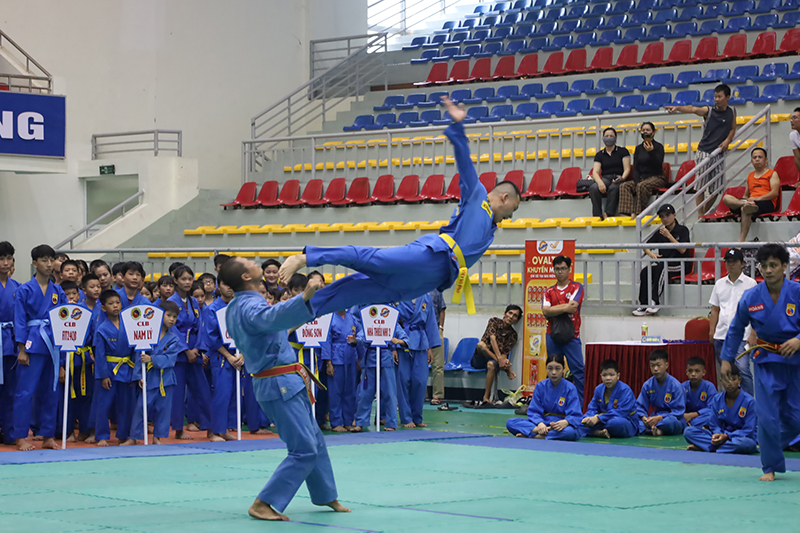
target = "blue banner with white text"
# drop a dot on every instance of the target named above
(32, 124)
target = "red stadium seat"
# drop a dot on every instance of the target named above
(653, 55)
(540, 185)
(268, 194)
(383, 191)
(488, 180)
(707, 50)
(554, 64)
(667, 171)
(680, 53)
(602, 59)
(438, 74)
(409, 188)
(504, 70)
(433, 187)
(336, 191)
(628, 57)
(723, 212)
(764, 45)
(453, 191)
(460, 71)
(790, 44)
(517, 177)
(289, 193)
(528, 67)
(735, 48)
(787, 171)
(576, 61)
(359, 190)
(684, 169)
(706, 274)
(312, 193)
(793, 210)
(567, 184)
(247, 194)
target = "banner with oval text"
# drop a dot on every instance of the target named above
(539, 277)
(70, 324)
(142, 325)
(312, 334)
(379, 322)
(223, 327)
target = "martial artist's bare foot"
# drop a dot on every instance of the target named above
(71, 438)
(349, 428)
(356, 429)
(50, 444)
(325, 427)
(693, 448)
(181, 435)
(390, 429)
(103, 443)
(222, 437)
(422, 425)
(156, 440)
(520, 435)
(263, 511)
(261, 431)
(83, 437)
(657, 432)
(410, 425)
(37, 438)
(339, 429)
(769, 476)
(24, 446)
(149, 430)
(292, 264)
(90, 439)
(127, 442)
(192, 427)
(336, 506)
(539, 437)
(601, 434)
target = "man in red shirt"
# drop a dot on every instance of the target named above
(565, 297)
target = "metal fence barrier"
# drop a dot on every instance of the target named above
(155, 141)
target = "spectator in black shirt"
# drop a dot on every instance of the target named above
(648, 174)
(612, 165)
(670, 231)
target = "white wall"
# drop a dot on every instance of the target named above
(202, 66)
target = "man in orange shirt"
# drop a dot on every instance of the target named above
(760, 195)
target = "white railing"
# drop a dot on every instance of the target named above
(155, 141)
(86, 231)
(327, 53)
(36, 79)
(398, 17)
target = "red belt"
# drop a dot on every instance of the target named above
(296, 368)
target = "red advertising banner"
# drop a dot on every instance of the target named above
(539, 277)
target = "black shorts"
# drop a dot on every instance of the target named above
(479, 360)
(764, 207)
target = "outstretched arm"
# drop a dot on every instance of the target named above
(468, 178)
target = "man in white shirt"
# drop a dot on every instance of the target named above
(724, 301)
(794, 136)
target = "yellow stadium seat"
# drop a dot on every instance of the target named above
(579, 222)
(328, 145)
(515, 278)
(656, 220)
(157, 255)
(421, 139)
(268, 254)
(289, 228)
(155, 276)
(198, 254)
(287, 169)
(549, 223)
(413, 225)
(579, 277)
(244, 254)
(747, 143)
(267, 228)
(487, 278)
(609, 222)
(780, 117)
(365, 226)
(398, 140)
(340, 226)
(627, 222)
(357, 142)
(594, 251)
(575, 130)
(222, 230)
(200, 230)
(310, 228)
(520, 223)
(241, 230)
(288, 254)
(386, 226)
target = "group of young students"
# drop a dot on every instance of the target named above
(723, 422)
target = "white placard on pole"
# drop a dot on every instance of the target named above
(379, 322)
(143, 330)
(223, 328)
(312, 335)
(70, 324)
(228, 340)
(238, 405)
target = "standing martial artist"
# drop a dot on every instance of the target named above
(419, 322)
(8, 351)
(340, 357)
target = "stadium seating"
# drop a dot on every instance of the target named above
(246, 195)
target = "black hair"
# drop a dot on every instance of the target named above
(609, 364)
(68, 285)
(166, 280)
(270, 262)
(6, 248)
(315, 273)
(116, 268)
(280, 293)
(89, 277)
(43, 250)
(777, 251)
(696, 361)
(609, 129)
(297, 281)
(98, 263)
(274, 291)
(659, 354)
(181, 270)
(197, 285)
(735, 371)
(514, 307)
(231, 275)
(648, 123)
(555, 358)
(150, 286)
(205, 275)
(61, 256)
(69, 262)
(508, 186)
(723, 88)
(170, 307)
(796, 110)
(136, 266)
(759, 148)
(173, 267)
(219, 259)
(265, 284)
(562, 259)
(108, 294)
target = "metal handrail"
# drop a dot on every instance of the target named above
(404, 26)
(85, 230)
(28, 61)
(156, 140)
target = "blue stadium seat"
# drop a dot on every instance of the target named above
(736, 24)
(426, 118)
(773, 93)
(475, 113)
(535, 45)
(445, 120)
(641, 6)
(579, 87)
(710, 26)
(503, 93)
(549, 109)
(715, 11)
(389, 102)
(499, 35)
(583, 40)
(411, 101)
(512, 48)
(360, 122)
(509, 20)
(608, 37)
(765, 6)
(380, 121)
(622, 7)
(657, 81)
(457, 38)
(789, 20)
(544, 29)
(519, 5)
(772, 71)
(795, 94)
(522, 32)
(743, 94)
(478, 11)
(741, 7)
(533, 17)
(528, 91)
(462, 355)
(666, 4)
(500, 7)
(480, 95)
(477, 37)
(657, 32)
(686, 97)
(707, 100)
(662, 17)
(567, 27)
(468, 24)
(689, 13)
(574, 107)
(555, 88)
(435, 41)
(628, 103)
(416, 42)
(600, 9)
(589, 25)
(555, 14)
(459, 95)
(487, 23)
(446, 54)
(489, 49)
(604, 85)
(576, 12)
(632, 35)
(716, 75)
(685, 78)
(557, 43)
(434, 99)
(638, 19)
(795, 73)
(684, 29)
(789, 5)
(601, 104)
(469, 51)
(655, 101)
(764, 22)
(630, 84)
(612, 22)
(498, 113)
(524, 110)
(404, 119)
(446, 27)
(426, 56)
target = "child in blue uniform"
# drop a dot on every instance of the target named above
(661, 403)
(8, 349)
(732, 424)
(554, 412)
(419, 322)
(340, 357)
(698, 394)
(283, 388)
(612, 411)
(38, 358)
(771, 308)
(432, 261)
(160, 380)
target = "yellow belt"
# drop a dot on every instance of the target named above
(760, 343)
(299, 347)
(161, 385)
(462, 285)
(120, 361)
(82, 353)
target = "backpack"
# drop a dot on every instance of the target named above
(562, 329)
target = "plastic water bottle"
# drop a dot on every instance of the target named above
(644, 331)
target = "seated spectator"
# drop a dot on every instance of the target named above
(661, 402)
(670, 231)
(612, 165)
(554, 412)
(760, 194)
(647, 174)
(612, 411)
(794, 138)
(494, 349)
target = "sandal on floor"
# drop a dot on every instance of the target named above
(446, 407)
(469, 404)
(485, 405)
(436, 401)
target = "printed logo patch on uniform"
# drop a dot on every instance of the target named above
(754, 308)
(28, 345)
(561, 401)
(55, 298)
(424, 306)
(742, 412)
(790, 309)
(486, 207)
(703, 396)
(667, 397)
(615, 403)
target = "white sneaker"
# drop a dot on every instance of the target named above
(640, 311)
(651, 310)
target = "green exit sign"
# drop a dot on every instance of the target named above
(107, 169)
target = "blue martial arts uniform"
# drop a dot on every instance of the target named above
(114, 359)
(223, 395)
(737, 422)
(259, 331)
(32, 330)
(8, 358)
(343, 356)
(189, 375)
(422, 327)
(160, 387)
(550, 404)
(697, 401)
(617, 415)
(667, 400)
(407, 272)
(367, 385)
(777, 378)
